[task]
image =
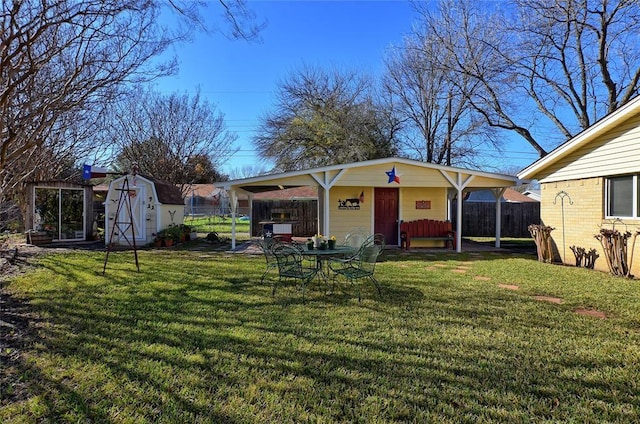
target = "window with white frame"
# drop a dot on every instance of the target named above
(622, 196)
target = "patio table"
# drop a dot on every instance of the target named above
(323, 257)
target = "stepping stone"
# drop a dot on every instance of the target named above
(481, 278)
(459, 271)
(440, 265)
(430, 268)
(509, 286)
(591, 313)
(549, 299)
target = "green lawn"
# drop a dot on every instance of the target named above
(220, 225)
(194, 337)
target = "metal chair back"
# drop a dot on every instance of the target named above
(290, 266)
(267, 245)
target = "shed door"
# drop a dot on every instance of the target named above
(138, 210)
(386, 214)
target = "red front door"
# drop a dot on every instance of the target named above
(386, 214)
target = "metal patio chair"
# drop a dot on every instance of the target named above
(355, 238)
(266, 245)
(361, 266)
(291, 266)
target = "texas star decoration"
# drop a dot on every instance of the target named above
(393, 177)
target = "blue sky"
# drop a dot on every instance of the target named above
(241, 78)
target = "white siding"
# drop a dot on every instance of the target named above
(616, 152)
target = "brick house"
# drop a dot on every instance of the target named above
(591, 182)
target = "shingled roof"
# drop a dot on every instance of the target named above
(168, 194)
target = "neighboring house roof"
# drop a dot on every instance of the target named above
(510, 195)
(298, 193)
(596, 130)
(533, 194)
(514, 196)
(204, 190)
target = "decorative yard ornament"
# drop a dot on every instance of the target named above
(563, 195)
(393, 177)
(123, 218)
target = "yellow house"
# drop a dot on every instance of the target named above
(591, 182)
(378, 194)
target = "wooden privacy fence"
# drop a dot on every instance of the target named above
(303, 215)
(478, 219)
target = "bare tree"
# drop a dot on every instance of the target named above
(583, 56)
(323, 118)
(170, 137)
(476, 39)
(539, 62)
(438, 124)
(62, 61)
(248, 170)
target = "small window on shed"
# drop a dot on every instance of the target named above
(621, 197)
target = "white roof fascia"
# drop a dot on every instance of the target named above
(624, 112)
(227, 185)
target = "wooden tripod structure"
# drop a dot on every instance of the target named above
(120, 227)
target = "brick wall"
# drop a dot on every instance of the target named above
(584, 215)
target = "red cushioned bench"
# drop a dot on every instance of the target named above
(427, 229)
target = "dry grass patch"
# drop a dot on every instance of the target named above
(509, 286)
(549, 299)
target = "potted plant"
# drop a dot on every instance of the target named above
(185, 232)
(332, 242)
(170, 235)
(309, 244)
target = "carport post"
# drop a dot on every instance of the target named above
(326, 182)
(233, 199)
(497, 193)
(459, 185)
(459, 217)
